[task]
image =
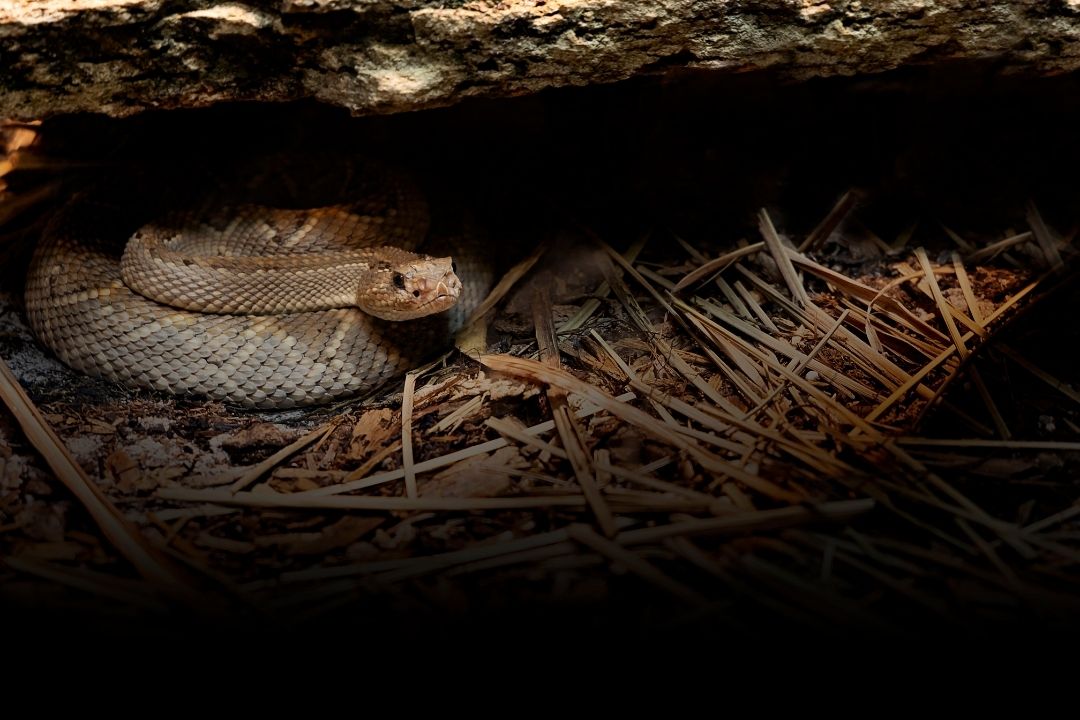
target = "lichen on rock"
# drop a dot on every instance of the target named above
(379, 56)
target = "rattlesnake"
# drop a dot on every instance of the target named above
(80, 306)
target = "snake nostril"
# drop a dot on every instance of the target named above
(416, 293)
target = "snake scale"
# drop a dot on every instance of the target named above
(264, 356)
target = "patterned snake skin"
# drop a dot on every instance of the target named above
(80, 307)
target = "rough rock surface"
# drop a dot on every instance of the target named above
(376, 56)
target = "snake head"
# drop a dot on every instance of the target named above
(411, 288)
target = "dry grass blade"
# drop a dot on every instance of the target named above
(640, 478)
(988, 401)
(944, 309)
(360, 473)
(879, 334)
(580, 460)
(1045, 238)
(956, 313)
(993, 249)
(569, 430)
(683, 368)
(988, 550)
(945, 355)
(711, 422)
(836, 408)
(799, 365)
(690, 250)
(407, 467)
(782, 256)
(1059, 385)
(454, 419)
(758, 312)
(537, 555)
(508, 280)
(538, 372)
(591, 305)
(865, 293)
(125, 538)
(1006, 531)
(735, 351)
(956, 238)
(365, 502)
(100, 584)
(257, 471)
(821, 233)
(965, 287)
(842, 382)
(665, 350)
(732, 296)
(634, 563)
(752, 435)
(991, 444)
(834, 511)
(441, 461)
(871, 360)
(1055, 519)
(513, 431)
(653, 503)
(718, 265)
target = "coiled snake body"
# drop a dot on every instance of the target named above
(80, 306)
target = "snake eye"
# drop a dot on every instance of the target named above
(399, 281)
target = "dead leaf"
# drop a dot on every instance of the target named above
(124, 470)
(370, 433)
(479, 476)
